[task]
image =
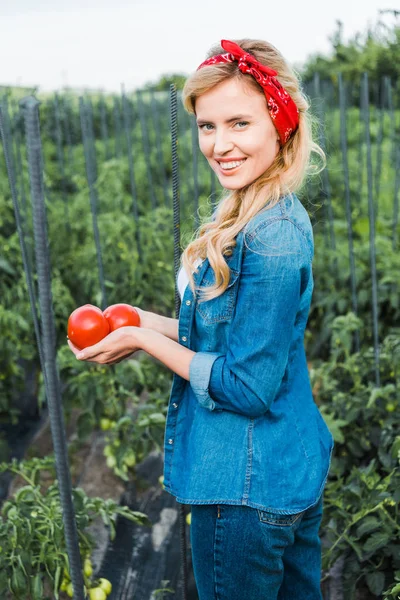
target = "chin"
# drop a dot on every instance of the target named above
(232, 186)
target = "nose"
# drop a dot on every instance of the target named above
(222, 142)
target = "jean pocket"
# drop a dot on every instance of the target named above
(221, 308)
(276, 519)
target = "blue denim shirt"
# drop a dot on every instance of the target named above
(246, 429)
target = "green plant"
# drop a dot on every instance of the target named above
(33, 548)
(362, 495)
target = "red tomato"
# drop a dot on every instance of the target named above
(86, 326)
(121, 315)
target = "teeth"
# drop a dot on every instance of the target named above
(232, 165)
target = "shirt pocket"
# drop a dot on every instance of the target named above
(221, 308)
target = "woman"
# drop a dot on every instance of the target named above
(245, 444)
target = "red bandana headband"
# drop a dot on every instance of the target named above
(284, 112)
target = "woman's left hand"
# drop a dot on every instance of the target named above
(116, 346)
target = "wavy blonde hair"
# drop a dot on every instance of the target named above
(286, 174)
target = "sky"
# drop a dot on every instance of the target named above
(102, 44)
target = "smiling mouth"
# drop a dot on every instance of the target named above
(232, 166)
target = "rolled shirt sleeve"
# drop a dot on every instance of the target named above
(199, 375)
(275, 270)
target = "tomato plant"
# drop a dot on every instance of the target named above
(33, 547)
(121, 315)
(87, 326)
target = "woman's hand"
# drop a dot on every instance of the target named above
(116, 346)
(147, 318)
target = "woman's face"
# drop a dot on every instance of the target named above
(236, 133)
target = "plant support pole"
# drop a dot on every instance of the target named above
(176, 221)
(35, 162)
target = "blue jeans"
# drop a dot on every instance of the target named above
(242, 553)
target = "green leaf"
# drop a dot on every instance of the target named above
(376, 582)
(157, 418)
(368, 525)
(395, 590)
(5, 266)
(25, 494)
(18, 582)
(376, 540)
(37, 587)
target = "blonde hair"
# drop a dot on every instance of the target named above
(286, 174)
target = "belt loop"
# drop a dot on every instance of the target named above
(219, 511)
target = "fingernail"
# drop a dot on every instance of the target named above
(80, 356)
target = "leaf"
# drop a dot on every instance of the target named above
(367, 525)
(395, 590)
(376, 582)
(37, 587)
(376, 540)
(157, 418)
(5, 266)
(57, 578)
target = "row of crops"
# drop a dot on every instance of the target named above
(103, 167)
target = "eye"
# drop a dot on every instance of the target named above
(205, 125)
(244, 123)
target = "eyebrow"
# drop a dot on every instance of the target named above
(235, 118)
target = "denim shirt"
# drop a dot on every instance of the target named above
(245, 428)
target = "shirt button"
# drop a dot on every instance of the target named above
(184, 338)
(170, 441)
(188, 302)
(175, 405)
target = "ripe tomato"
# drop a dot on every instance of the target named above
(121, 315)
(86, 326)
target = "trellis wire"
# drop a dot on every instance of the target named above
(91, 136)
(18, 142)
(392, 120)
(35, 161)
(24, 212)
(146, 148)
(104, 128)
(132, 181)
(117, 127)
(365, 106)
(176, 223)
(91, 174)
(395, 159)
(396, 199)
(27, 259)
(60, 160)
(195, 171)
(360, 158)
(160, 155)
(14, 122)
(64, 111)
(12, 115)
(326, 189)
(378, 169)
(17, 159)
(343, 138)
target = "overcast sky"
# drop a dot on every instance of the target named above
(101, 44)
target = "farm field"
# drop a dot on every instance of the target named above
(118, 210)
